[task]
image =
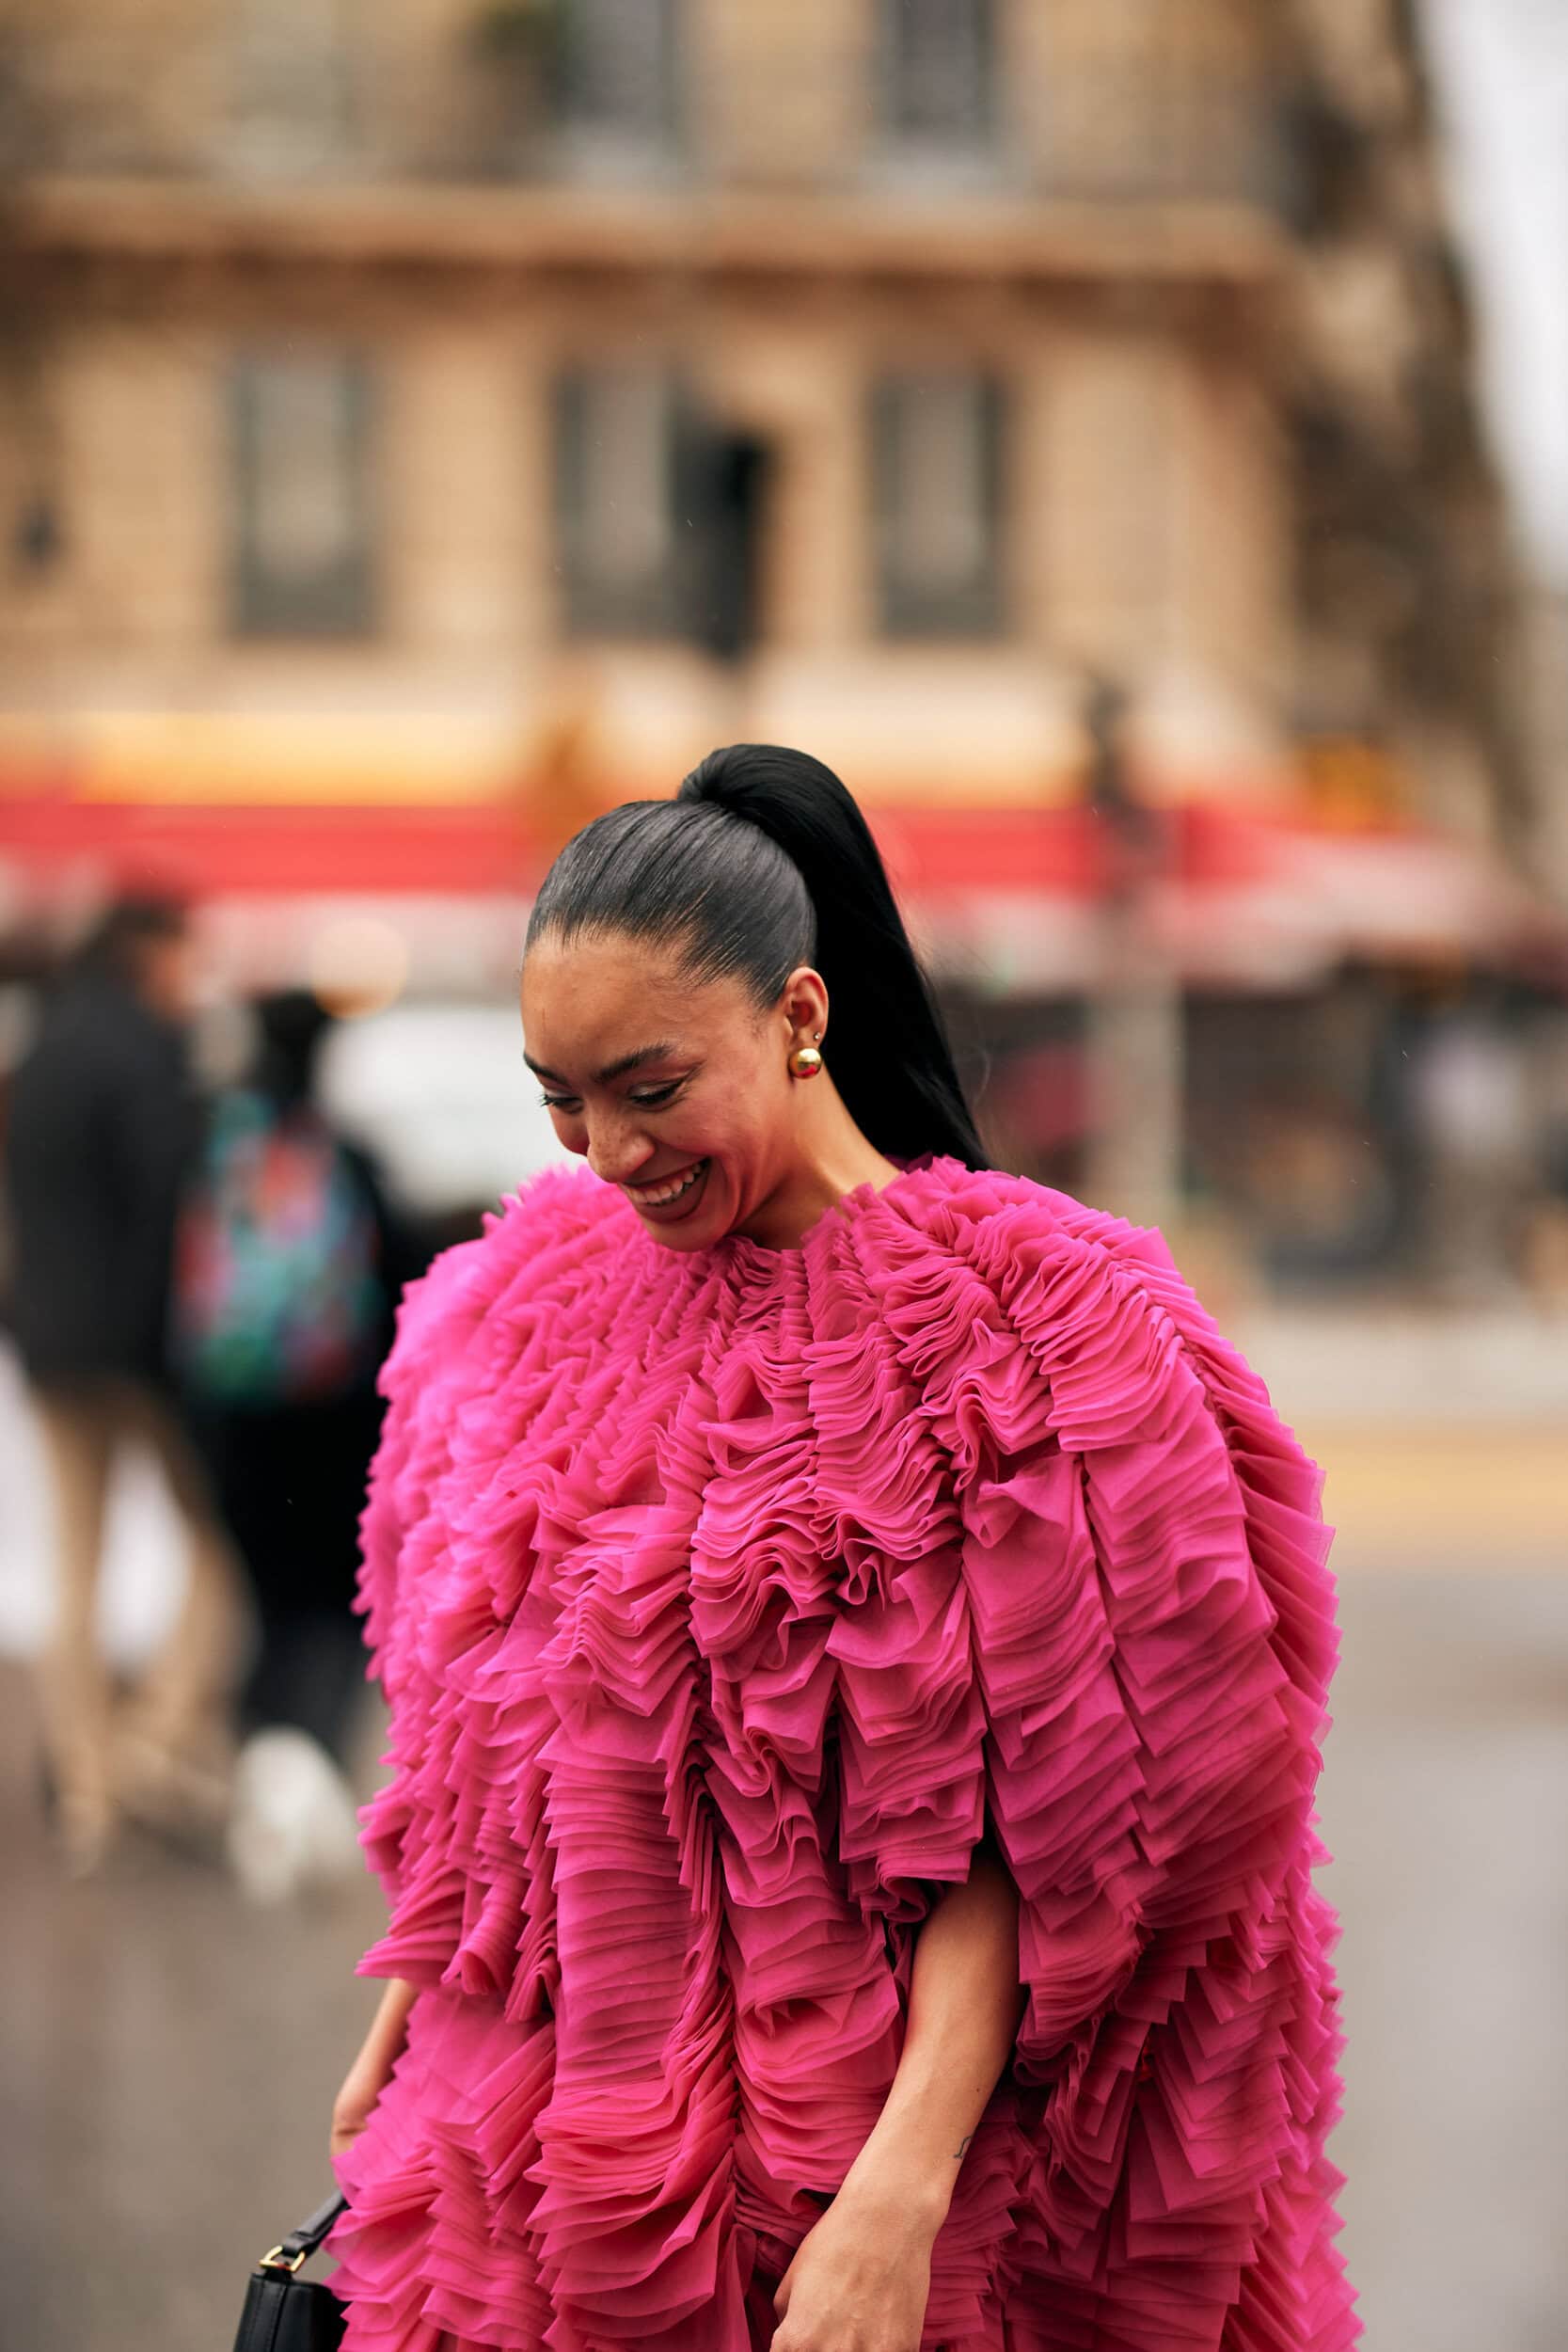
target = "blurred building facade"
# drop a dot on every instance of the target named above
(428, 423)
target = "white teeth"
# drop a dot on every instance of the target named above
(671, 1192)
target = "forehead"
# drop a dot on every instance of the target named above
(602, 994)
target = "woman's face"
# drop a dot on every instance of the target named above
(679, 1092)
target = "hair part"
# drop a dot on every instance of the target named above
(761, 864)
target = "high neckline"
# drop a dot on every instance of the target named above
(756, 1257)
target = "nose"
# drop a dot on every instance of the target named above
(616, 1151)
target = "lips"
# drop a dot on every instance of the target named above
(671, 1194)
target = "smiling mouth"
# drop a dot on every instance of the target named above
(669, 1191)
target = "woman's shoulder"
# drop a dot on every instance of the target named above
(1095, 1299)
(986, 1215)
(561, 1232)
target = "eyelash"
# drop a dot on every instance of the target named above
(653, 1102)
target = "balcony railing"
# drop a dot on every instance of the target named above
(1152, 122)
(1119, 136)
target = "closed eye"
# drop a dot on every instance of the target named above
(655, 1098)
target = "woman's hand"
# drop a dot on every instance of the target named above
(367, 2078)
(860, 2280)
(362, 2087)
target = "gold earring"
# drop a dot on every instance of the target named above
(805, 1062)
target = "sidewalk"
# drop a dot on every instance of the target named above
(1444, 1437)
(1506, 1366)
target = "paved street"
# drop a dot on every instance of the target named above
(168, 2060)
(168, 2056)
(1445, 1805)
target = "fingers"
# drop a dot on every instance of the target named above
(793, 2339)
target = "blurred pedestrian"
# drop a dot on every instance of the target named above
(1469, 1094)
(102, 1125)
(289, 1266)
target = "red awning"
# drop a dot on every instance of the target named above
(1010, 895)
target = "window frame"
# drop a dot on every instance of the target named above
(658, 607)
(905, 612)
(343, 606)
(595, 148)
(968, 150)
(289, 117)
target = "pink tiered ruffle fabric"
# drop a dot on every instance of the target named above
(718, 1600)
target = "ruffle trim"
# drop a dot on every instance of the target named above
(721, 1602)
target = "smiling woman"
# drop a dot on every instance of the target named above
(855, 1638)
(657, 1078)
(720, 925)
(707, 1130)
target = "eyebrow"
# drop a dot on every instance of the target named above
(661, 1052)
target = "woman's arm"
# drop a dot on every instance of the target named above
(366, 2078)
(860, 2281)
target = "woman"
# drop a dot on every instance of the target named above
(855, 1637)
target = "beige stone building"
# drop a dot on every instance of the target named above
(479, 407)
(425, 421)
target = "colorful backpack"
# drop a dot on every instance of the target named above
(277, 1297)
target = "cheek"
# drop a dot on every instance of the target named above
(706, 1127)
(732, 1116)
(733, 1128)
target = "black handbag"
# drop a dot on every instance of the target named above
(284, 2313)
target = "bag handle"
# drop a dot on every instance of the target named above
(300, 2244)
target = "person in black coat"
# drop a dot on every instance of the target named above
(102, 1123)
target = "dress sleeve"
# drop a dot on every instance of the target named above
(440, 1553)
(405, 1829)
(1149, 1615)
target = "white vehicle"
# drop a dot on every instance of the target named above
(440, 1094)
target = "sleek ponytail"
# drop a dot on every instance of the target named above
(763, 863)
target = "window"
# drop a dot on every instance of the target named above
(938, 75)
(936, 473)
(619, 80)
(291, 112)
(617, 490)
(303, 557)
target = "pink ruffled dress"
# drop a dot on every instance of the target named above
(719, 1599)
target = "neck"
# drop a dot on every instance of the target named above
(832, 1158)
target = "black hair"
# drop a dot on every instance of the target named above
(290, 1025)
(761, 863)
(114, 948)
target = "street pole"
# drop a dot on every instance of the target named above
(1134, 1042)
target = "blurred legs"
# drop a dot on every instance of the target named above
(167, 1757)
(77, 1428)
(175, 1747)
